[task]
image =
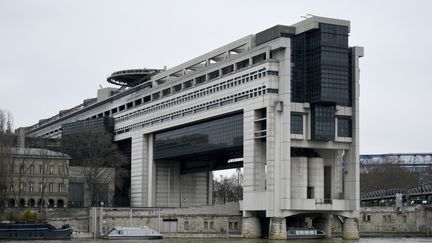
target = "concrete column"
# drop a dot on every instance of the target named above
(350, 229)
(151, 178)
(139, 171)
(278, 230)
(316, 177)
(299, 177)
(323, 223)
(251, 227)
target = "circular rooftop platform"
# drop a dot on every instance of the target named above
(132, 77)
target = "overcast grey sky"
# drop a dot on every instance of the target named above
(54, 54)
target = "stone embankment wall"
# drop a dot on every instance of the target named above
(219, 220)
(413, 219)
(206, 221)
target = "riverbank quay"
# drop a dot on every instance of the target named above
(407, 220)
(225, 221)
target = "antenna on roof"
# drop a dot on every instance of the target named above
(100, 86)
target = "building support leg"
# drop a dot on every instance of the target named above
(251, 227)
(350, 229)
(278, 229)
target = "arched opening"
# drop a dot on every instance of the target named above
(60, 203)
(31, 203)
(50, 203)
(12, 203)
(21, 203)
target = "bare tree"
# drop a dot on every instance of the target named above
(95, 153)
(228, 189)
(6, 143)
(388, 176)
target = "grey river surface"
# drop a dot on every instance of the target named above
(237, 240)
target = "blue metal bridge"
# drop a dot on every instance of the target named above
(413, 161)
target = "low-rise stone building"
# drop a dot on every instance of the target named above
(37, 176)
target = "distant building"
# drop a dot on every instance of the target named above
(79, 193)
(37, 176)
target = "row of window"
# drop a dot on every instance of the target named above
(49, 187)
(176, 88)
(249, 94)
(185, 85)
(197, 94)
(51, 170)
(344, 125)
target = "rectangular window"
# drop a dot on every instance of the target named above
(41, 169)
(212, 225)
(310, 192)
(32, 169)
(31, 188)
(41, 186)
(344, 127)
(296, 124)
(50, 187)
(323, 122)
(187, 84)
(61, 170)
(205, 225)
(166, 92)
(21, 169)
(200, 79)
(227, 69)
(213, 75)
(51, 170)
(61, 187)
(186, 225)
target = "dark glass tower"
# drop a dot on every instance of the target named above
(321, 75)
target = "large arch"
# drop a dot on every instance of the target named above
(31, 203)
(22, 203)
(12, 203)
(60, 203)
(51, 203)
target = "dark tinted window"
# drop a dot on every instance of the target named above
(204, 137)
(296, 124)
(344, 127)
(323, 122)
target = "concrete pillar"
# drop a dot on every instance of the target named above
(299, 177)
(139, 173)
(278, 230)
(323, 223)
(251, 227)
(316, 177)
(350, 229)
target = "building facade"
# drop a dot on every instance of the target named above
(37, 176)
(282, 104)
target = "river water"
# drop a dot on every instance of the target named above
(239, 240)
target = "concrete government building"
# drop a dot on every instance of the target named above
(283, 104)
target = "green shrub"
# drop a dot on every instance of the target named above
(29, 215)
